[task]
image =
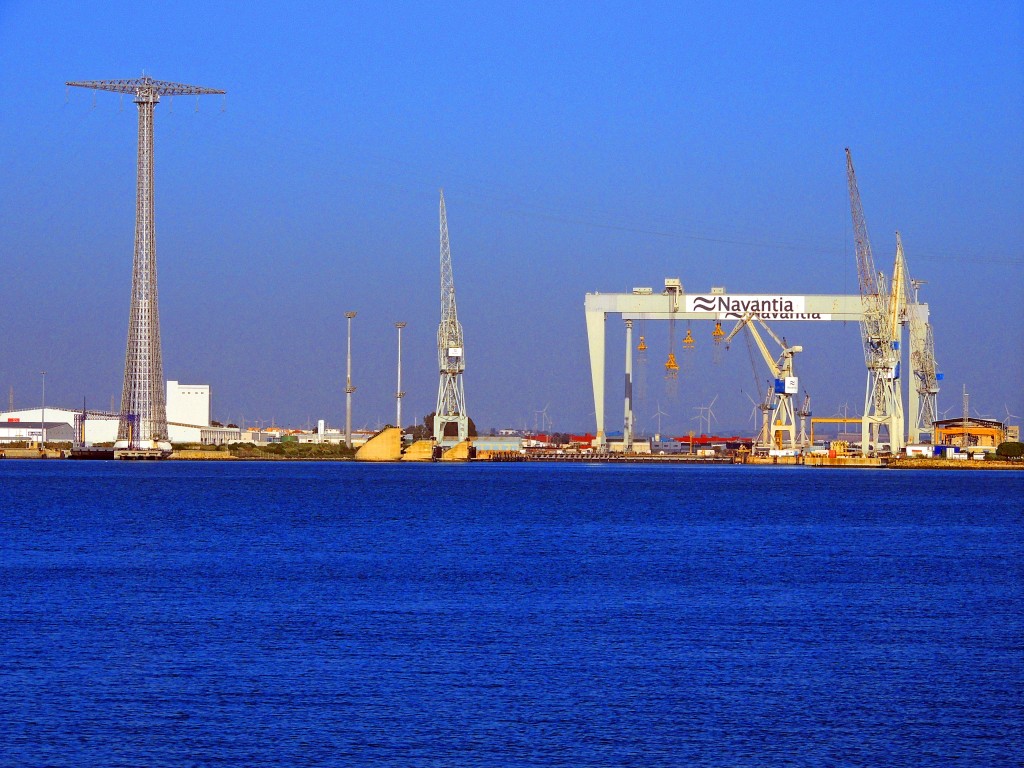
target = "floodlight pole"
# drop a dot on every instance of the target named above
(42, 417)
(399, 394)
(349, 389)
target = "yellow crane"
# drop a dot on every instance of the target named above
(782, 431)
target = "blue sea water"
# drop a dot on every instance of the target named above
(293, 614)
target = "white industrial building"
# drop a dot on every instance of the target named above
(25, 430)
(188, 414)
(188, 404)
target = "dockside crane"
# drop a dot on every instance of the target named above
(883, 404)
(783, 420)
(923, 390)
(451, 358)
(926, 381)
(765, 406)
(804, 413)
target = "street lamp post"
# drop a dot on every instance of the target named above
(349, 389)
(399, 394)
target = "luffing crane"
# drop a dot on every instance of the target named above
(924, 385)
(926, 380)
(883, 405)
(451, 358)
(765, 406)
(783, 421)
(804, 413)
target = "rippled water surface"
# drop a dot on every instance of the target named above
(262, 614)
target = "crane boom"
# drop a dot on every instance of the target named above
(899, 297)
(866, 274)
(779, 368)
(145, 84)
(747, 322)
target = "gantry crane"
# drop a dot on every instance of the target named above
(783, 421)
(883, 404)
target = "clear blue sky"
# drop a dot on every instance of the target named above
(582, 147)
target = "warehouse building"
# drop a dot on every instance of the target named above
(973, 433)
(188, 414)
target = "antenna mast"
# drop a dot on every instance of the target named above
(451, 399)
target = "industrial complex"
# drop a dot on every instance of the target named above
(902, 380)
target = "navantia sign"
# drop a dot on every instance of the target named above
(767, 307)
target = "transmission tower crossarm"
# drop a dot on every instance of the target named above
(148, 84)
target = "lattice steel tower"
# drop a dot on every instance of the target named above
(143, 399)
(451, 359)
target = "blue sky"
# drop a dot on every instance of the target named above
(582, 147)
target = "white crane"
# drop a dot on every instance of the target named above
(765, 406)
(922, 405)
(880, 330)
(451, 358)
(804, 413)
(783, 420)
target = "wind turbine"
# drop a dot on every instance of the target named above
(754, 406)
(658, 414)
(708, 412)
(1008, 414)
(540, 419)
(699, 418)
(711, 412)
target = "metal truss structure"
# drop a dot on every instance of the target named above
(782, 423)
(675, 304)
(143, 414)
(880, 333)
(451, 358)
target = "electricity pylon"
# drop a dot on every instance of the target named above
(143, 415)
(451, 358)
